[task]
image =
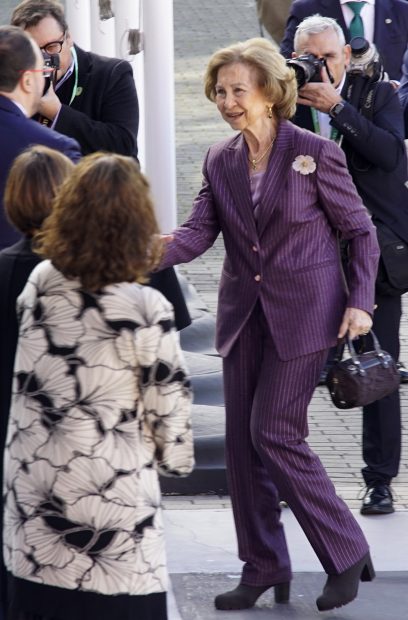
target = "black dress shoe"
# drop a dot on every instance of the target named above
(342, 589)
(403, 372)
(245, 597)
(377, 500)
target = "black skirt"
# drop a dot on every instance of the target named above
(33, 601)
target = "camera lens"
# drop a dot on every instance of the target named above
(359, 46)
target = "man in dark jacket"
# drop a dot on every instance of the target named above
(94, 99)
(21, 87)
(383, 22)
(375, 152)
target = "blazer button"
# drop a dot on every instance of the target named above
(254, 248)
(258, 278)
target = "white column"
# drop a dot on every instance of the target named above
(78, 14)
(102, 32)
(127, 16)
(160, 164)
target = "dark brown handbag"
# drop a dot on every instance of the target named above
(362, 378)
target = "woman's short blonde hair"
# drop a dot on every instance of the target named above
(33, 181)
(102, 229)
(275, 78)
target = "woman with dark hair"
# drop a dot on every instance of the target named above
(100, 403)
(33, 181)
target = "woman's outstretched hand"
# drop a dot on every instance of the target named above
(355, 321)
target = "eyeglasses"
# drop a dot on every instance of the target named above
(54, 47)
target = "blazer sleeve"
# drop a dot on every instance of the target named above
(38, 134)
(380, 140)
(69, 147)
(116, 128)
(165, 389)
(199, 232)
(347, 215)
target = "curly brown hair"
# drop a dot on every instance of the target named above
(102, 229)
(32, 184)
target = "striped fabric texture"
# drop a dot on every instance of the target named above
(288, 258)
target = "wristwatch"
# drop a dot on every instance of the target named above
(336, 109)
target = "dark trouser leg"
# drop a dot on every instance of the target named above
(272, 405)
(261, 540)
(382, 419)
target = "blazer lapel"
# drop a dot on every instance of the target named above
(236, 167)
(84, 72)
(276, 173)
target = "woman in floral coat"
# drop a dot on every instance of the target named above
(101, 402)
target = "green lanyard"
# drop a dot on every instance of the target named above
(75, 88)
(334, 133)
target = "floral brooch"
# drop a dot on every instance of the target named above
(305, 164)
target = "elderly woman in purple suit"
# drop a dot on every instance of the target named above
(281, 196)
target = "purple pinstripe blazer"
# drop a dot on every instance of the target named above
(288, 258)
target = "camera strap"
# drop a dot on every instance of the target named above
(75, 87)
(72, 71)
(360, 94)
(334, 133)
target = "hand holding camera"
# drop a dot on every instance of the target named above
(320, 95)
(50, 105)
(315, 82)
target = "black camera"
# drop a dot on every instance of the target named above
(51, 61)
(308, 68)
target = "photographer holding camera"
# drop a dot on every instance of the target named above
(364, 116)
(94, 98)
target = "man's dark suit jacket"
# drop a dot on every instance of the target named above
(375, 154)
(104, 115)
(17, 133)
(390, 28)
(403, 91)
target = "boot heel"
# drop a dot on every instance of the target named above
(368, 572)
(282, 592)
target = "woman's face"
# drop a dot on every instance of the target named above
(240, 100)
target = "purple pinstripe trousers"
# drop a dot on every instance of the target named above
(268, 457)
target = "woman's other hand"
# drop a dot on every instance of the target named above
(356, 322)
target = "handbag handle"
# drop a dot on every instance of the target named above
(354, 356)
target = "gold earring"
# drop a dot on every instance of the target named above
(270, 111)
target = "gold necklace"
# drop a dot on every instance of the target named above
(254, 162)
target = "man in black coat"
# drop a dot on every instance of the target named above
(94, 99)
(377, 161)
(385, 24)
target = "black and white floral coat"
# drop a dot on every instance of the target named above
(100, 403)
